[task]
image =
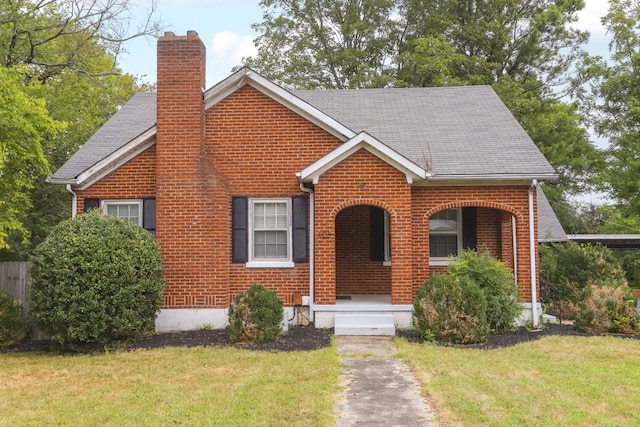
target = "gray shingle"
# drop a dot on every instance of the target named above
(134, 118)
(464, 130)
(452, 131)
(549, 227)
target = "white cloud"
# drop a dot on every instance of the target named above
(590, 16)
(229, 48)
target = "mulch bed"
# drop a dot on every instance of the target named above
(302, 338)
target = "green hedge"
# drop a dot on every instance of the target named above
(96, 280)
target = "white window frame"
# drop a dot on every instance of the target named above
(438, 261)
(106, 203)
(270, 262)
(387, 240)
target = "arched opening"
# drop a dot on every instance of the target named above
(363, 253)
(471, 227)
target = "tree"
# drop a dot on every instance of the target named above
(24, 124)
(524, 39)
(325, 43)
(66, 52)
(53, 36)
(616, 109)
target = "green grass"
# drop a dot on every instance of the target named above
(196, 386)
(570, 381)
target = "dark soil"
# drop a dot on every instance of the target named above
(302, 338)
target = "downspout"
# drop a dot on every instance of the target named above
(74, 202)
(515, 247)
(311, 247)
(532, 255)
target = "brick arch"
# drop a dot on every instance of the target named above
(359, 202)
(474, 203)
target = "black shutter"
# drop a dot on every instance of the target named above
(376, 216)
(149, 215)
(91, 204)
(299, 218)
(240, 229)
(469, 228)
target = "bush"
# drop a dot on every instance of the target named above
(451, 309)
(96, 280)
(13, 327)
(256, 315)
(607, 309)
(568, 270)
(497, 282)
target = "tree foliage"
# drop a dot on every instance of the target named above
(24, 125)
(311, 44)
(616, 104)
(63, 56)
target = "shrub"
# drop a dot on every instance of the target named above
(13, 327)
(567, 270)
(96, 280)
(497, 282)
(256, 315)
(451, 309)
(607, 309)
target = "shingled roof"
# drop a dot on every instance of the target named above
(137, 116)
(463, 132)
(452, 132)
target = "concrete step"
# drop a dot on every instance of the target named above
(362, 323)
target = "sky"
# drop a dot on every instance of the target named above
(225, 28)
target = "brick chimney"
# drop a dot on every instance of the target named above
(182, 218)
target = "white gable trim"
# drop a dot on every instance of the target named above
(116, 159)
(246, 76)
(365, 141)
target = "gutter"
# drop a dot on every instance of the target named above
(532, 256)
(311, 247)
(74, 202)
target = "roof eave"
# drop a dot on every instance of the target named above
(116, 159)
(487, 178)
(363, 140)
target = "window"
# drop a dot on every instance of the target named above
(445, 235)
(270, 236)
(131, 210)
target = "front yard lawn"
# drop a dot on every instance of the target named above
(559, 381)
(172, 386)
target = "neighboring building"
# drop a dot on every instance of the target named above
(319, 195)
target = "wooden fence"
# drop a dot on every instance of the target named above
(14, 277)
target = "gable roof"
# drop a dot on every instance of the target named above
(450, 133)
(362, 141)
(457, 132)
(136, 118)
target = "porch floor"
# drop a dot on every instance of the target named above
(365, 300)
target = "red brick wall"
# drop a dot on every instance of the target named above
(488, 223)
(257, 146)
(511, 200)
(363, 179)
(356, 273)
(136, 179)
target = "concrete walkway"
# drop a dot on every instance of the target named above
(379, 389)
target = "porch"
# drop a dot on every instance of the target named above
(361, 314)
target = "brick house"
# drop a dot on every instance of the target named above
(342, 201)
